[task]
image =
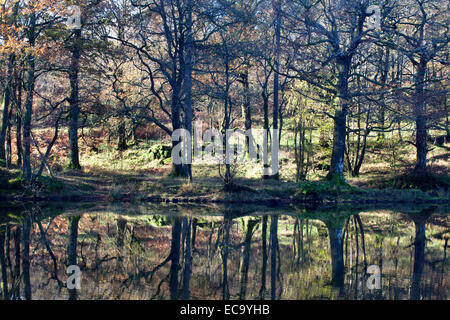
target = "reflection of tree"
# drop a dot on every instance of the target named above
(174, 257)
(262, 290)
(72, 249)
(3, 264)
(443, 274)
(10, 289)
(36, 218)
(223, 259)
(353, 232)
(194, 233)
(297, 241)
(335, 223)
(227, 222)
(420, 220)
(26, 255)
(181, 235)
(17, 242)
(121, 227)
(358, 229)
(336, 251)
(188, 245)
(249, 227)
(274, 256)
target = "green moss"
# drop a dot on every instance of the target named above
(424, 181)
(323, 188)
(51, 185)
(16, 183)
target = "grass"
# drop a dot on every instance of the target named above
(142, 171)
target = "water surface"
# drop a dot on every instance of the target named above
(144, 251)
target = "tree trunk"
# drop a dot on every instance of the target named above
(9, 141)
(121, 140)
(384, 76)
(245, 263)
(421, 126)
(175, 258)
(176, 124)
(419, 256)
(29, 103)
(227, 106)
(19, 121)
(227, 223)
(72, 249)
(27, 224)
(262, 290)
(340, 125)
(273, 255)
(265, 97)
(246, 108)
(3, 265)
(337, 253)
(74, 101)
(276, 85)
(188, 114)
(6, 105)
(187, 258)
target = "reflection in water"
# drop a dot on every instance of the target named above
(227, 221)
(262, 290)
(419, 251)
(72, 248)
(175, 258)
(273, 255)
(249, 226)
(188, 254)
(334, 225)
(187, 227)
(3, 263)
(27, 220)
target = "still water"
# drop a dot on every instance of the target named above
(145, 251)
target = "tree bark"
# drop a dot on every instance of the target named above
(276, 85)
(3, 266)
(19, 121)
(246, 108)
(175, 259)
(265, 97)
(29, 102)
(419, 111)
(273, 255)
(121, 140)
(27, 224)
(72, 249)
(262, 290)
(188, 113)
(74, 100)
(337, 253)
(340, 118)
(6, 105)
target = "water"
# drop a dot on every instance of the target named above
(184, 252)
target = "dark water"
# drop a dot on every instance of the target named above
(162, 252)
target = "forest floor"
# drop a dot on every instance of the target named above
(138, 175)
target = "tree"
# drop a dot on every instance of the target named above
(422, 35)
(328, 35)
(160, 45)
